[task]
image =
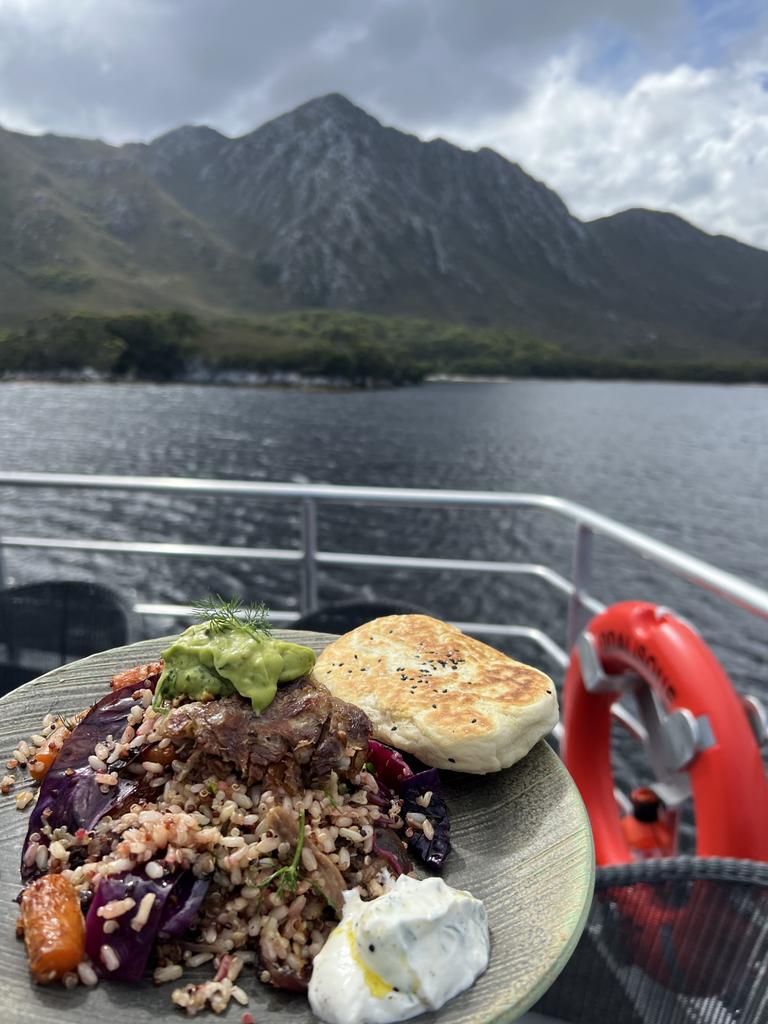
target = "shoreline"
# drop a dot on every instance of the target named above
(450, 378)
(298, 382)
(246, 379)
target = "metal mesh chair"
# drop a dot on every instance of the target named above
(672, 941)
(43, 625)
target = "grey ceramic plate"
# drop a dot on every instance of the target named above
(521, 840)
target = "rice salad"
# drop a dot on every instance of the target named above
(168, 834)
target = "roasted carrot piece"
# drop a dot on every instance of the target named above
(47, 754)
(137, 675)
(54, 927)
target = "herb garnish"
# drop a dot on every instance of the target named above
(222, 615)
(289, 874)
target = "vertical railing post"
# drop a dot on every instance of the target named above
(578, 615)
(309, 561)
(2, 564)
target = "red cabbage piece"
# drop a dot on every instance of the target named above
(182, 905)
(389, 766)
(394, 774)
(131, 947)
(432, 851)
(177, 901)
(70, 795)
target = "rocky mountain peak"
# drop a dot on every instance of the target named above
(333, 104)
(187, 140)
(325, 206)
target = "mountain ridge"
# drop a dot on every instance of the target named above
(325, 207)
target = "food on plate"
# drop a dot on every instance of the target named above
(137, 674)
(428, 827)
(225, 655)
(48, 751)
(428, 689)
(54, 930)
(189, 817)
(402, 954)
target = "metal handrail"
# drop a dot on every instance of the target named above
(588, 523)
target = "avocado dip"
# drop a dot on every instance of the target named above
(207, 662)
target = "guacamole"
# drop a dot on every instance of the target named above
(204, 663)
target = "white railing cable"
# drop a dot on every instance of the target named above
(724, 584)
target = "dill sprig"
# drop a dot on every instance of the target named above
(289, 874)
(223, 616)
(62, 720)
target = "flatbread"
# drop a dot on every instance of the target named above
(452, 701)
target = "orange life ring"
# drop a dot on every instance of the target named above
(727, 778)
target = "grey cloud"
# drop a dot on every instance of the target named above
(693, 186)
(133, 68)
(450, 64)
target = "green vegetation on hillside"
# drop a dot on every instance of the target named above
(157, 346)
(356, 348)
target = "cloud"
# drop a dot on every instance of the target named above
(132, 68)
(127, 69)
(689, 140)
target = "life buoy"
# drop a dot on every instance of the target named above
(722, 758)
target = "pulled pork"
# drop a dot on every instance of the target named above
(302, 736)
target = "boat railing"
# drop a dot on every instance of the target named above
(309, 559)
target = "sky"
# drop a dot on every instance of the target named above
(613, 103)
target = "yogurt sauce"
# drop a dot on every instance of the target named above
(406, 952)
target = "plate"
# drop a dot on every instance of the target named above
(521, 839)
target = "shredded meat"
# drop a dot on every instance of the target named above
(283, 824)
(280, 974)
(327, 881)
(326, 877)
(303, 735)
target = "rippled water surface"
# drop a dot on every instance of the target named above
(687, 464)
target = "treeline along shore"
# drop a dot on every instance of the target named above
(353, 349)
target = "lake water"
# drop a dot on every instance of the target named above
(686, 463)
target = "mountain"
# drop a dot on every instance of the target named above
(325, 207)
